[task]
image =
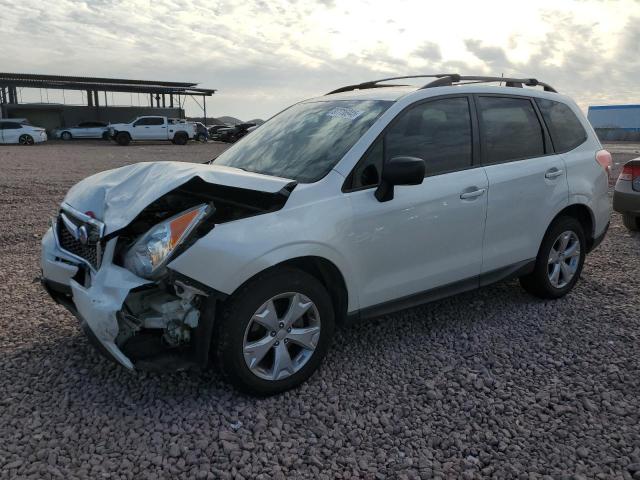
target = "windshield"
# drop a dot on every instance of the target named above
(305, 141)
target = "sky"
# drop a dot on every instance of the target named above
(263, 55)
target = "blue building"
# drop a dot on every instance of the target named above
(616, 122)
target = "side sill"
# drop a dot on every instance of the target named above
(428, 296)
(507, 273)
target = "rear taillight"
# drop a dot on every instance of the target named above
(631, 173)
(603, 157)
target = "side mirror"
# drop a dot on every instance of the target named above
(399, 171)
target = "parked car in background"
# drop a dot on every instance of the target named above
(19, 130)
(202, 132)
(213, 129)
(83, 130)
(177, 131)
(626, 195)
(349, 205)
(235, 133)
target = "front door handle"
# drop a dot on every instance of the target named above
(553, 173)
(472, 193)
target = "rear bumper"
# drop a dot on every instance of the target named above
(598, 240)
(624, 202)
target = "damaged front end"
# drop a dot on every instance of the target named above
(163, 326)
(119, 282)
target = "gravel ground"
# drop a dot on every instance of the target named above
(488, 384)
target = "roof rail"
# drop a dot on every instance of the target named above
(509, 82)
(374, 83)
(448, 79)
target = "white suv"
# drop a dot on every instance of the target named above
(350, 205)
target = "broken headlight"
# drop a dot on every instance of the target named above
(150, 253)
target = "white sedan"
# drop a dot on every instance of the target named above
(19, 131)
(83, 130)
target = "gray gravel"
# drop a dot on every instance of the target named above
(489, 384)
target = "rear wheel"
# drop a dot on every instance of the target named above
(559, 261)
(631, 222)
(66, 136)
(123, 138)
(274, 332)
(180, 138)
(26, 140)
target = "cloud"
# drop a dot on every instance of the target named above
(263, 55)
(428, 51)
(494, 57)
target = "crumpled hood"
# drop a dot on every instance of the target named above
(117, 196)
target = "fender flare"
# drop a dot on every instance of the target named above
(294, 251)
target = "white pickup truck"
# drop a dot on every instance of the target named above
(153, 128)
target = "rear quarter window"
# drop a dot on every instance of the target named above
(564, 127)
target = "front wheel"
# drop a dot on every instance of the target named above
(274, 332)
(180, 138)
(123, 139)
(559, 261)
(65, 136)
(26, 140)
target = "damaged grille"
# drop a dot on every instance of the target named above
(87, 248)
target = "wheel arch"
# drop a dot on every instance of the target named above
(323, 270)
(584, 215)
(180, 132)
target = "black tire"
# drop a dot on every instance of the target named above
(105, 136)
(26, 140)
(538, 283)
(66, 136)
(180, 138)
(631, 222)
(123, 138)
(237, 312)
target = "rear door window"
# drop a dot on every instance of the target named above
(10, 126)
(564, 127)
(510, 129)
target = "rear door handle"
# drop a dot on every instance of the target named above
(553, 173)
(472, 194)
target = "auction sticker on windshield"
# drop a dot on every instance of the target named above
(346, 113)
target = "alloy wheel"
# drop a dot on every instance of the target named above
(281, 336)
(26, 140)
(564, 259)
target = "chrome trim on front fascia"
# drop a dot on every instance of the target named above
(54, 228)
(84, 217)
(69, 225)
